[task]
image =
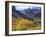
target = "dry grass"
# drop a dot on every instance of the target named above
(24, 24)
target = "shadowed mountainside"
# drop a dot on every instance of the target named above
(27, 13)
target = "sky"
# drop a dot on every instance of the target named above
(25, 7)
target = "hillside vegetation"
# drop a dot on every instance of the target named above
(25, 24)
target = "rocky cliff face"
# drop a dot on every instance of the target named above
(27, 13)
